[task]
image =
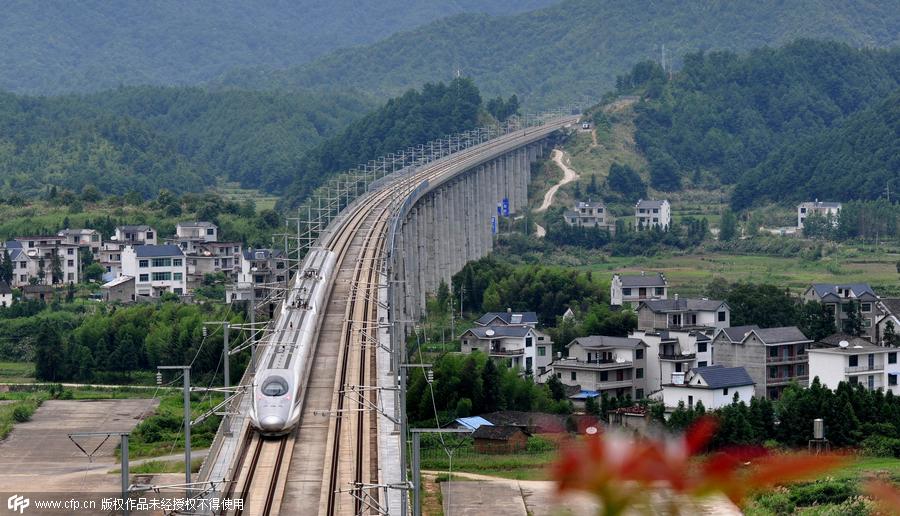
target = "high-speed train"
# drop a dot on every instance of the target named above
(285, 356)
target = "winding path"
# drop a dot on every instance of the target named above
(569, 175)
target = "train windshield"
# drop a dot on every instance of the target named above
(274, 386)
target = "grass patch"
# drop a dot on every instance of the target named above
(163, 432)
(16, 372)
(523, 466)
(18, 411)
(232, 191)
(161, 466)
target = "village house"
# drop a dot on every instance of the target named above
(200, 231)
(844, 358)
(508, 318)
(889, 320)
(839, 299)
(499, 439)
(588, 215)
(774, 357)
(111, 260)
(6, 294)
(600, 364)
(828, 210)
(523, 347)
(49, 256)
(257, 268)
(673, 351)
(649, 213)
(678, 314)
(140, 234)
(631, 289)
(714, 386)
(156, 269)
(120, 290)
(83, 238)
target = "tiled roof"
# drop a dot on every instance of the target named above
(821, 204)
(856, 345)
(680, 305)
(718, 377)
(858, 289)
(156, 251)
(737, 333)
(137, 227)
(496, 433)
(117, 281)
(197, 224)
(538, 422)
(643, 280)
(508, 318)
(892, 304)
(5, 288)
(498, 331)
(649, 203)
(602, 341)
(781, 335)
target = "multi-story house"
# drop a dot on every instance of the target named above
(111, 260)
(843, 358)
(141, 234)
(774, 357)
(829, 210)
(508, 318)
(679, 314)
(633, 288)
(258, 268)
(649, 213)
(614, 366)
(714, 386)
(673, 351)
(211, 258)
(84, 238)
(839, 300)
(889, 321)
(6, 294)
(200, 231)
(523, 347)
(588, 215)
(50, 255)
(156, 269)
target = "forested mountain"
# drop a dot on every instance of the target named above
(57, 46)
(142, 139)
(785, 124)
(576, 48)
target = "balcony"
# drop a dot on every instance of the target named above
(789, 359)
(678, 358)
(614, 384)
(506, 352)
(803, 380)
(864, 368)
(593, 365)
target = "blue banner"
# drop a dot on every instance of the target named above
(494, 225)
(499, 209)
(506, 207)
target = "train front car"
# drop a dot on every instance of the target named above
(284, 362)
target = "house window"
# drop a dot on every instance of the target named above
(162, 276)
(866, 307)
(542, 370)
(677, 367)
(639, 354)
(854, 380)
(149, 235)
(528, 342)
(845, 308)
(701, 364)
(70, 276)
(70, 252)
(773, 372)
(639, 394)
(892, 379)
(143, 263)
(801, 349)
(690, 402)
(162, 262)
(70, 263)
(773, 352)
(542, 351)
(854, 360)
(573, 375)
(639, 373)
(660, 291)
(23, 278)
(725, 391)
(176, 262)
(144, 278)
(22, 265)
(721, 315)
(559, 375)
(209, 231)
(867, 323)
(177, 291)
(626, 291)
(604, 376)
(892, 357)
(701, 347)
(177, 276)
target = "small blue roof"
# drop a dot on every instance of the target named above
(584, 394)
(155, 251)
(472, 423)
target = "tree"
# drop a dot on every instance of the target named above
(815, 321)
(557, 389)
(591, 406)
(56, 269)
(49, 354)
(42, 273)
(765, 305)
(94, 272)
(490, 387)
(626, 181)
(664, 173)
(890, 338)
(6, 267)
(728, 231)
(853, 323)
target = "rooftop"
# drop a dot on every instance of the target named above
(858, 289)
(642, 280)
(117, 281)
(262, 254)
(782, 335)
(5, 288)
(892, 304)
(820, 204)
(491, 332)
(602, 341)
(588, 204)
(508, 317)
(681, 305)
(497, 433)
(855, 345)
(719, 377)
(196, 224)
(649, 203)
(137, 227)
(155, 251)
(472, 423)
(737, 333)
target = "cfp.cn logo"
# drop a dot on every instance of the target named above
(17, 503)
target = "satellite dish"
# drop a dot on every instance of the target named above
(844, 344)
(489, 333)
(619, 360)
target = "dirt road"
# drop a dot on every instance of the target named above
(569, 175)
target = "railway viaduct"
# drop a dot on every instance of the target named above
(396, 242)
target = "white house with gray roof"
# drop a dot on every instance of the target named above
(679, 314)
(714, 386)
(6, 294)
(524, 347)
(843, 358)
(634, 288)
(139, 234)
(156, 269)
(673, 351)
(508, 318)
(649, 213)
(774, 357)
(588, 215)
(829, 210)
(600, 364)
(839, 298)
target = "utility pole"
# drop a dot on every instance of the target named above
(186, 374)
(126, 485)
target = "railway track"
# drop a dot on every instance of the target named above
(324, 465)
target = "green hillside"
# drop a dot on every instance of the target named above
(576, 48)
(57, 46)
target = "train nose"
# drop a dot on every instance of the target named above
(272, 423)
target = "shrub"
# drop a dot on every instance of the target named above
(822, 492)
(881, 446)
(776, 502)
(23, 412)
(539, 444)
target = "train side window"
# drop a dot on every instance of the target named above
(274, 386)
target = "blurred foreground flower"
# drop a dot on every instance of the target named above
(885, 495)
(620, 469)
